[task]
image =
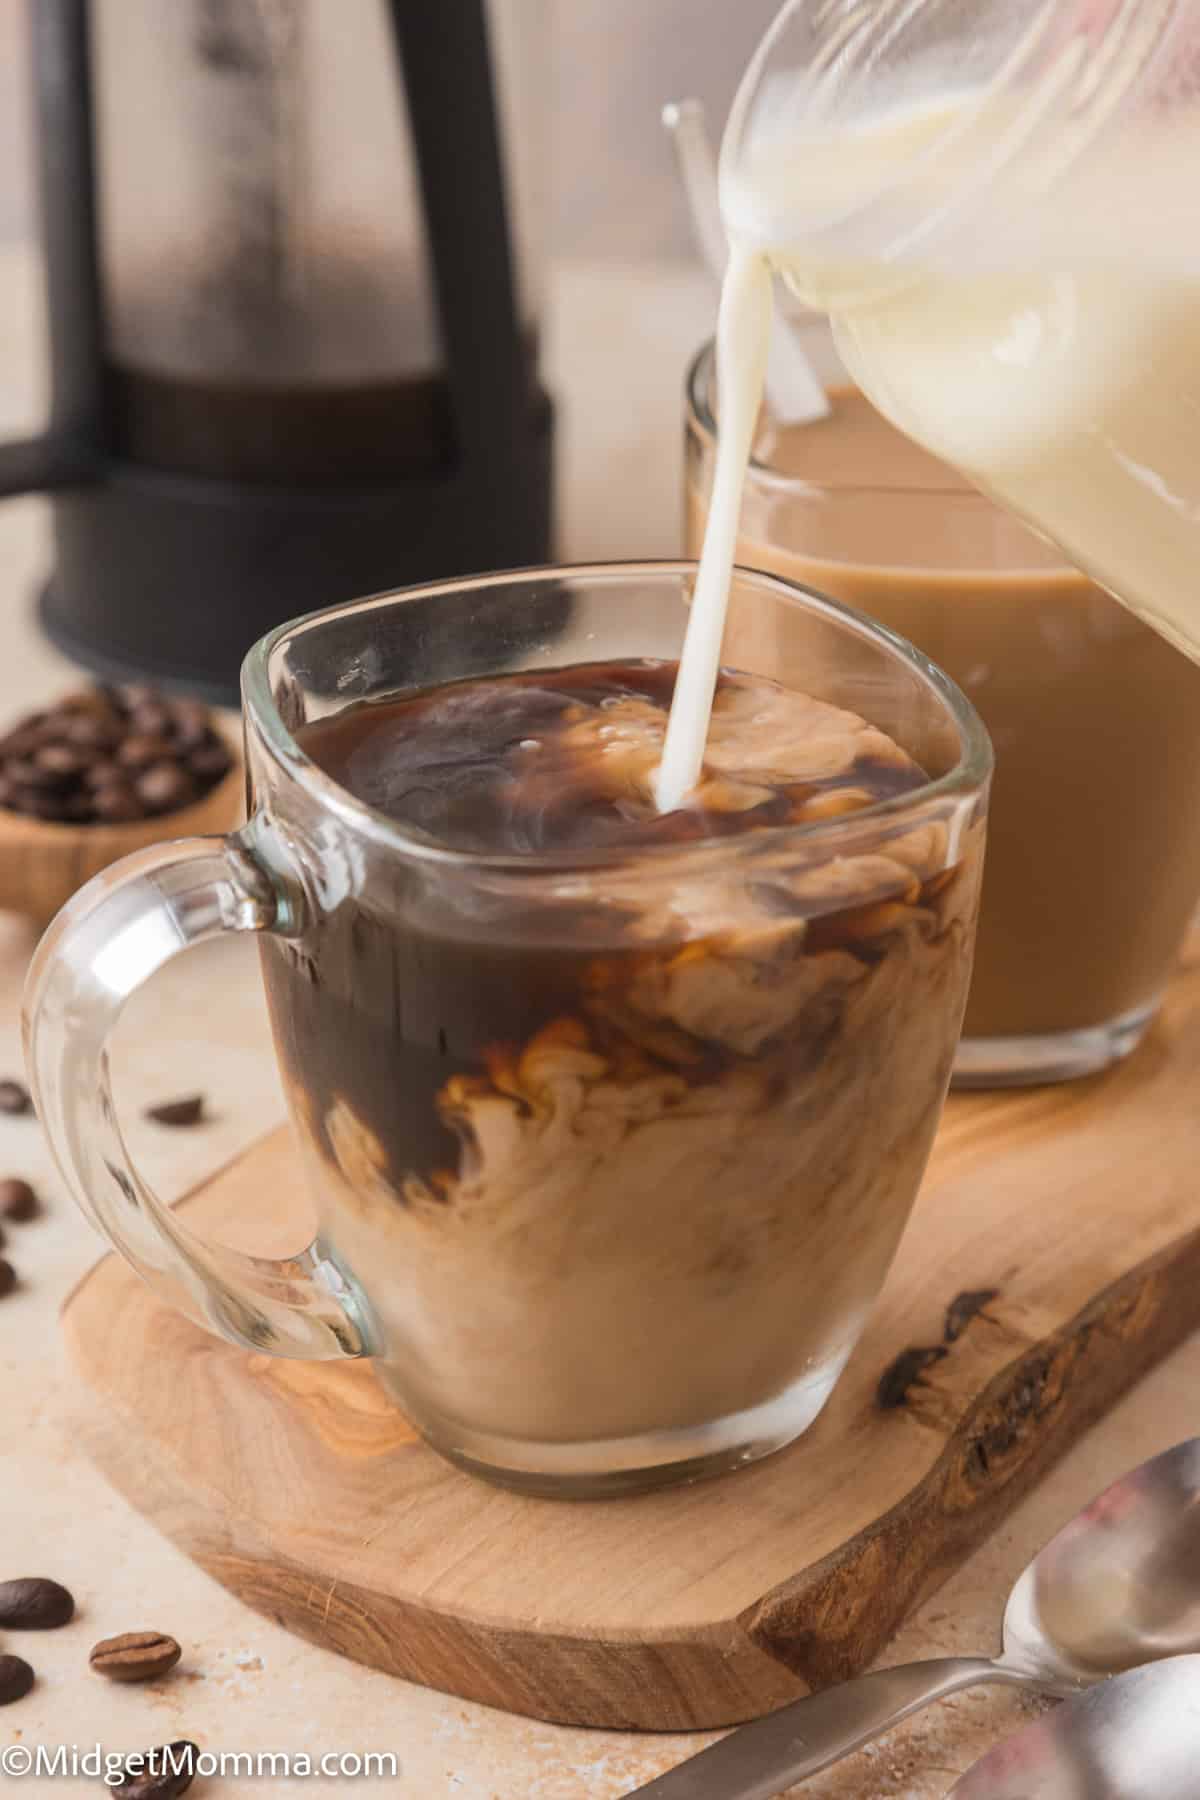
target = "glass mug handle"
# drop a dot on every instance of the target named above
(107, 941)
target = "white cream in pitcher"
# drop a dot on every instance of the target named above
(1057, 363)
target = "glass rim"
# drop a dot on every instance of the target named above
(961, 497)
(969, 774)
(701, 416)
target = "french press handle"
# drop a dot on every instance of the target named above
(69, 452)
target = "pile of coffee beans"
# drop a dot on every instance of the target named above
(110, 756)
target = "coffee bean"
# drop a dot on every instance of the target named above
(104, 773)
(83, 700)
(21, 742)
(139, 752)
(190, 718)
(161, 1774)
(18, 1201)
(117, 805)
(8, 1278)
(91, 731)
(150, 718)
(16, 1679)
(135, 1656)
(59, 762)
(14, 1098)
(210, 762)
(136, 693)
(165, 787)
(187, 1111)
(27, 772)
(35, 1604)
(40, 803)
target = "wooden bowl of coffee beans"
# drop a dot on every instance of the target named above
(101, 772)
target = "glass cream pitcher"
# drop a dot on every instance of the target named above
(996, 203)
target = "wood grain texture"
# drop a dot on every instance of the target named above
(301, 1488)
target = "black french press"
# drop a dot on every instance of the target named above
(290, 279)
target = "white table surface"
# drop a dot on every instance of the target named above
(618, 343)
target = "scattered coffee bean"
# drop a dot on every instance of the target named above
(16, 1679)
(188, 1111)
(161, 1774)
(18, 1201)
(14, 1098)
(135, 1656)
(35, 1604)
(8, 1278)
(111, 756)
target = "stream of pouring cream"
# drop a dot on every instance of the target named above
(743, 340)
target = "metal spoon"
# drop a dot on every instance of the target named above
(1135, 1738)
(1118, 1586)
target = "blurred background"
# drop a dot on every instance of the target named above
(612, 193)
(273, 310)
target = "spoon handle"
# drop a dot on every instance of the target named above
(760, 1760)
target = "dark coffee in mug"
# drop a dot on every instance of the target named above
(647, 1145)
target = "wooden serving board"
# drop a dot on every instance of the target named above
(1076, 1209)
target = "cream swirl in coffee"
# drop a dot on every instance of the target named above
(617, 1139)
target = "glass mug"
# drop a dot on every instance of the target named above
(1093, 864)
(610, 1151)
